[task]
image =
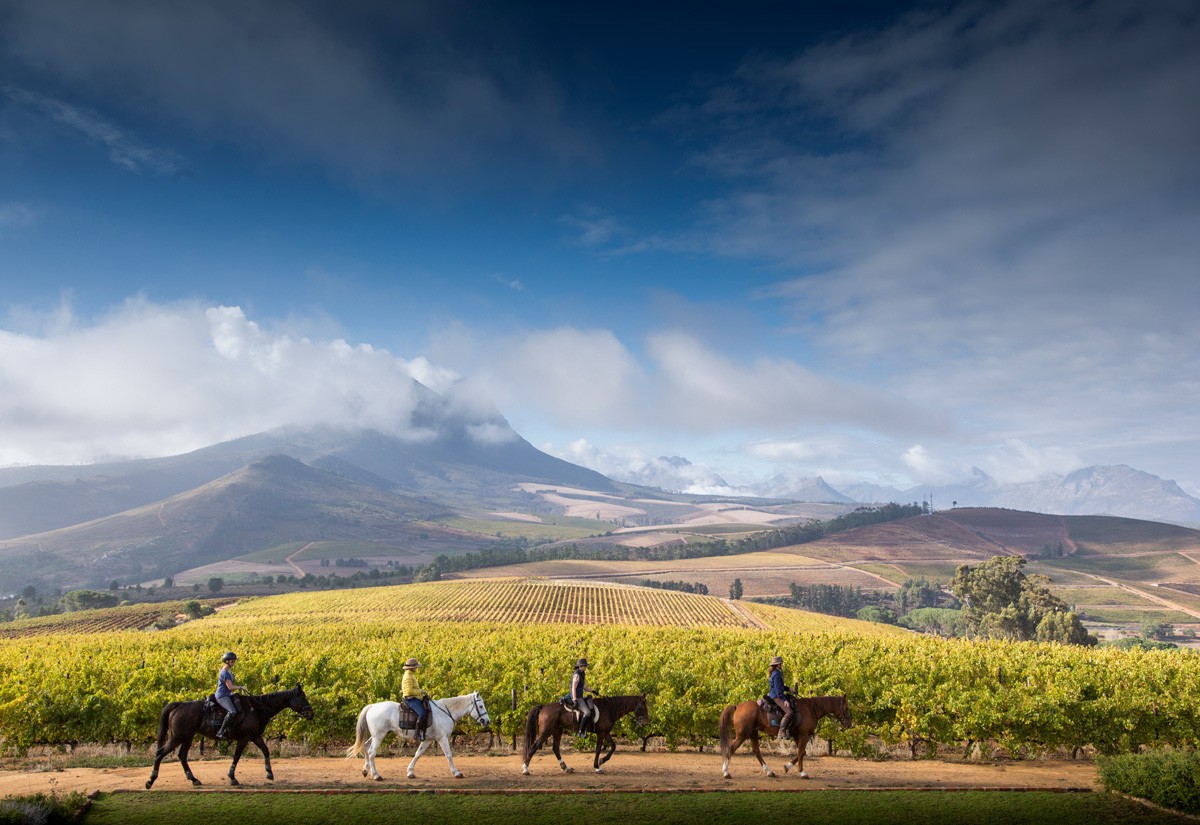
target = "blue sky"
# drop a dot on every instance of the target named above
(870, 242)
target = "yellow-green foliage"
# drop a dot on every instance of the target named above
(62, 688)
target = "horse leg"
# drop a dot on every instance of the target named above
(801, 745)
(237, 754)
(159, 755)
(184, 747)
(558, 754)
(737, 743)
(444, 742)
(261, 744)
(534, 748)
(758, 755)
(421, 748)
(612, 748)
(373, 745)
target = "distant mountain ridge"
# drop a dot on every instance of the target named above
(1115, 490)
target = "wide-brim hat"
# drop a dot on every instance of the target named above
(581, 663)
(778, 660)
(412, 664)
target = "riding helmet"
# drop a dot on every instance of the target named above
(229, 657)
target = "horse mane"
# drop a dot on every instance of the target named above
(620, 704)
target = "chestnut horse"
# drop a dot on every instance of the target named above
(549, 721)
(744, 721)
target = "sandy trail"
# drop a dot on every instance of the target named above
(628, 770)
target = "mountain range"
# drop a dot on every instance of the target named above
(139, 519)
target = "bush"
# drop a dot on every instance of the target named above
(48, 808)
(1168, 778)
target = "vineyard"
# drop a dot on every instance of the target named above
(127, 617)
(348, 648)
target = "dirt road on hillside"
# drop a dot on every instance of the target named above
(628, 770)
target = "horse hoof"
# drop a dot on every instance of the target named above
(148, 784)
(771, 774)
(412, 776)
(458, 775)
(568, 770)
(727, 776)
(525, 770)
(196, 782)
(364, 772)
(599, 770)
(803, 775)
(787, 768)
(234, 782)
(380, 778)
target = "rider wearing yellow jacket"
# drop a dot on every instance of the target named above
(410, 690)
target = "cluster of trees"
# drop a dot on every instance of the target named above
(1001, 602)
(683, 587)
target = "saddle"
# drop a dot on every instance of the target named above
(409, 719)
(214, 714)
(774, 713)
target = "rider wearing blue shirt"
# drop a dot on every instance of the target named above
(225, 689)
(777, 692)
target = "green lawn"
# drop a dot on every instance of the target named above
(754, 808)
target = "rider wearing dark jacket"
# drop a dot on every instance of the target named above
(587, 708)
(778, 693)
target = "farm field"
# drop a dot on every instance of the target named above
(555, 528)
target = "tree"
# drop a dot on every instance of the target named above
(875, 613)
(735, 589)
(168, 582)
(1001, 602)
(1157, 630)
(918, 593)
(113, 585)
(215, 584)
(88, 600)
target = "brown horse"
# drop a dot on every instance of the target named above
(744, 721)
(549, 721)
(182, 721)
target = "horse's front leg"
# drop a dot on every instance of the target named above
(184, 747)
(758, 756)
(612, 748)
(237, 754)
(261, 744)
(798, 761)
(445, 743)
(558, 753)
(421, 748)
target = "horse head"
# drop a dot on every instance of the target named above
(841, 709)
(299, 703)
(479, 711)
(641, 711)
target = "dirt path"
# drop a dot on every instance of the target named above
(293, 565)
(1159, 600)
(745, 614)
(628, 770)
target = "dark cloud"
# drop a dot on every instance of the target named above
(392, 90)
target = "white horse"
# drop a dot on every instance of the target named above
(376, 721)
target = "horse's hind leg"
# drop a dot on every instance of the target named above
(534, 748)
(159, 755)
(737, 743)
(758, 756)
(373, 745)
(184, 747)
(237, 754)
(558, 753)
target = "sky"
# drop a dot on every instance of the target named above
(867, 241)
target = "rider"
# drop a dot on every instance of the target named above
(587, 707)
(225, 689)
(779, 694)
(414, 697)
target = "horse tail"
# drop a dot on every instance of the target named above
(360, 735)
(726, 730)
(531, 730)
(164, 723)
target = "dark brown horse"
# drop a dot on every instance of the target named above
(744, 721)
(549, 721)
(182, 721)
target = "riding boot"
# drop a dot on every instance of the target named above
(785, 725)
(229, 714)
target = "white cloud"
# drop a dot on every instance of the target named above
(16, 215)
(150, 379)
